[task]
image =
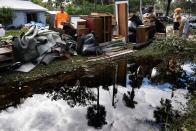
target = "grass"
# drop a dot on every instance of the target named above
(169, 47)
(13, 32)
(58, 66)
(187, 122)
(193, 32)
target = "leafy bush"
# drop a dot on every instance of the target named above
(173, 45)
(165, 114)
(72, 9)
(105, 8)
(86, 8)
(6, 15)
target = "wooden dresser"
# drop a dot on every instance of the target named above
(144, 33)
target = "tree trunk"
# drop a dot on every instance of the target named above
(102, 2)
(168, 7)
(95, 4)
(141, 9)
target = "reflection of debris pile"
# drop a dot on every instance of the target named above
(76, 95)
(165, 114)
(96, 115)
(129, 99)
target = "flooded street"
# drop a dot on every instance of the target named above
(126, 96)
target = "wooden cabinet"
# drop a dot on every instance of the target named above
(101, 25)
(144, 33)
(95, 24)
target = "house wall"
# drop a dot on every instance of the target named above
(20, 18)
(41, 17)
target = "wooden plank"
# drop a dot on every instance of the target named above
(123, 19)
(111, 55)
(5, 58)
(100, 14)
(122, 72)
(137, 46)
(5, 51)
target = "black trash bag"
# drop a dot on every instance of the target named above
(69, 29)
(136, 19)
(149, 9)
(160, 27)
(88, 46)
(134, 22)
(132, 26)
(71, 44)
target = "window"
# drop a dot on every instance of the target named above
(31, 17)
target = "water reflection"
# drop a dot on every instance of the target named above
(165, 114)
(75, 95)
(129, 99)
(96, 114)
(125, 96)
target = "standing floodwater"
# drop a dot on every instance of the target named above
(128, 96)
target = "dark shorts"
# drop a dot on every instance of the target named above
(176, 25)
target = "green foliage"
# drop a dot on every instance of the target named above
(187, 122)
(105, 8)
(36, 1)
(134, 5)
(187, 6)
(165, 115)
(72, 9)
(172, 45)
(6, 15)
(15, 32)
(86, 8)
(58, 2)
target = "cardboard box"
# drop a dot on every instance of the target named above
(78, 23)
(81, 24)
(82, 31)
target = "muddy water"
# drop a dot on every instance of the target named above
(122, 96)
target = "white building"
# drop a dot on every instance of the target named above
(25, 11)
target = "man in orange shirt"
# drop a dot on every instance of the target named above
(60, 17)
